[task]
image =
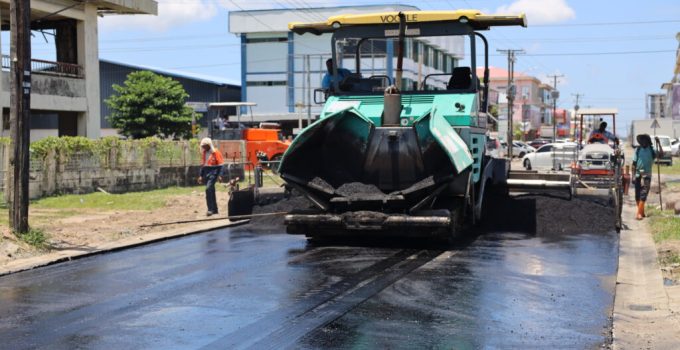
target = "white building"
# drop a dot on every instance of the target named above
(280, 69)
(69, 84)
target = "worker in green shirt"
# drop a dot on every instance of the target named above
(643, 159)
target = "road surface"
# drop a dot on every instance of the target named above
(240, 288)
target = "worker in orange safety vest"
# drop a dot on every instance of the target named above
(211, 171)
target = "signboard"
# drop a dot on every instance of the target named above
(200, 107)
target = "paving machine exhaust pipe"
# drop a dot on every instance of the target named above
(392, 106)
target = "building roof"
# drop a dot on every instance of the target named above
(178, 73)
(276, 20)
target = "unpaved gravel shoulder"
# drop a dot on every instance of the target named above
(89, 228)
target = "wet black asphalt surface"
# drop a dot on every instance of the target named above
(237, 288)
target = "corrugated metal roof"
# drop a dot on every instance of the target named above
(178, 73)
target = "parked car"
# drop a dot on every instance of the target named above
(675, 147)
(551, 155)
(519, 149)
(665, 142)
(537, 143)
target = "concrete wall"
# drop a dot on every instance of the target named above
(120, 170)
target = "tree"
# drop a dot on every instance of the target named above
(150, 105)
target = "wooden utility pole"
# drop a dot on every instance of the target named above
(511, 91)
(20, 111)
(555, 95)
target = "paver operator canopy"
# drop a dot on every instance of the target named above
(472, 18)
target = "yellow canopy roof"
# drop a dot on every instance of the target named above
(474, 17)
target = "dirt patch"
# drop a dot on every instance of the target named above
(88, 228)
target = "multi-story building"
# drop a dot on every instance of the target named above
(655, 106)
(532, 106)
(672, 88)
(68, 85)
(280, 70)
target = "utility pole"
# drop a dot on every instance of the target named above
(20, 111)
(555, 95)
(511, 90)
(576, 108)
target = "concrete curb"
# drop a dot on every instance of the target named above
(129, 242)
(643, 317)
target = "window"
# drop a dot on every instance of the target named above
(546, 148)
(266, 40)
(426, 55)
(267, 83)
(435, 59)
(525, 92)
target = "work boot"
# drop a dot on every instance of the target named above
(640, 210)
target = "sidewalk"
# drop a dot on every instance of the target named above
(646, 313)
(129, 242)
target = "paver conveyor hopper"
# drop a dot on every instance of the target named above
(400, 160)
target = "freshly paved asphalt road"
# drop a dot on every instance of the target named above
(243, 289)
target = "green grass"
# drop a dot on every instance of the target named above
(147, 200)
(670, 170)
(665, 226)
(34, 237)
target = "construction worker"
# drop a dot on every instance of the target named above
(601, 135)
(643, 159)
(211, 171)
(328, 82)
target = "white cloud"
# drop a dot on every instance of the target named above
(540, 11)
(171, 13)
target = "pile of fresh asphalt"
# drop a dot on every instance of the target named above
(267, 222)
(548, 215)
(534, 214)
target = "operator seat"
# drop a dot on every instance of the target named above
(461, 78)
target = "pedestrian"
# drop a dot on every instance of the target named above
(211, 171)
(643, 160)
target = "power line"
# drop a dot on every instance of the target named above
(607, 23)
(599, 53)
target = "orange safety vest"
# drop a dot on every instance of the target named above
(214, 159)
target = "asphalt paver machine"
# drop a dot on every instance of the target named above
(598, 171)
(404, 157)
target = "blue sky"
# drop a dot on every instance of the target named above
(612, 52)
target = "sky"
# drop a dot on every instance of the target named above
(611, 52)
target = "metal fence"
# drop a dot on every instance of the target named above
(49, 67)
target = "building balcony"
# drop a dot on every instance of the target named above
(55, 86)
(60, 69)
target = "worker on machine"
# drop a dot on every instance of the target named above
(643, 160)
(211, 170)
(601, 135)
(328, 82)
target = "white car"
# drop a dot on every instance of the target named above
(519, 149)
(675, 147)
(665, 142)
(551, 156)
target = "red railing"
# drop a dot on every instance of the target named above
(50, 67)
